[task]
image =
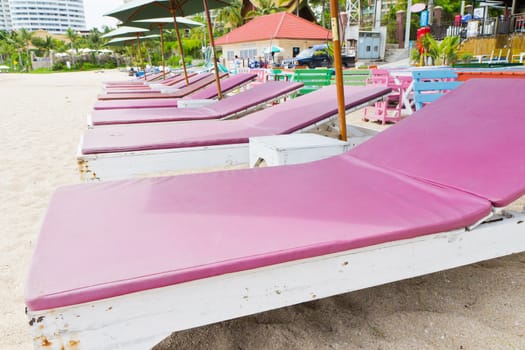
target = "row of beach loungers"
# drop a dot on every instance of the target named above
(122, 264)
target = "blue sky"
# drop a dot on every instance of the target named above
(94, 10)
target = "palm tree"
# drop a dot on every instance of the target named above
(449, 49)
(73, 38)
(231, 16)
(266, 7)
(44, 45)
(25, 37)
(7, 47)
(446, 51)
(95, 40)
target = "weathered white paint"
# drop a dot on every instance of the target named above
(293, 149)
(122, 165)
(140, 320)
(194, 103)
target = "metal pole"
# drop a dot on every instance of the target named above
(181, 51)
(407, 25)
(377, 15)
(212, 44)
(430, 12)
(338, 66)
(161, 28)
(140, 55)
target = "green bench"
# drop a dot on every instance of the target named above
(313, 79)
(355, 77)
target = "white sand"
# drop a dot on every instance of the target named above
(481, 306)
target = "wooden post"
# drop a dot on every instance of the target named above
(181, 51)
(212, 44)
(140, 55)
(161, 29)
(338, 66)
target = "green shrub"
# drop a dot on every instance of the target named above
(88, 66)
(173, 61)
(42, 70)
(59, 66)
(466, 57)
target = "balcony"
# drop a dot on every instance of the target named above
(480, 27)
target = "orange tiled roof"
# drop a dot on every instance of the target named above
(280, 25)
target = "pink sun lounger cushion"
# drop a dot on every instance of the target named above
(227, 106)
(139, 80)
(104, 240)
(207, 92)
(283, 118)
(196, 82)
(128, 236)
(177, 83)
(472, 140)
(167, 82)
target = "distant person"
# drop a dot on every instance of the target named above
(237, 63)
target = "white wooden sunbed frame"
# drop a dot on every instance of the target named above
(122, 165)
(140, 320)
(195, 103)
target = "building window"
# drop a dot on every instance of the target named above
(248, 53)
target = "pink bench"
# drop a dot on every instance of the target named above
(124, 151)
(196, 83)
(128, 262)
(227, 107)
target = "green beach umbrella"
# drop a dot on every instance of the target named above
(124, 41)
(126, 31)
(272, 49)
(129, 40)
(160, 24)
(184, 23)
(148, 9)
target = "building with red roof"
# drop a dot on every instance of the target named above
(283, 30)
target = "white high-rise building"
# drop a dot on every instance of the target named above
(5, 17)
(55, 16)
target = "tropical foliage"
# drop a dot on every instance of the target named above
(18, 47)
(438, 53)
(231, 17)
(266, 7)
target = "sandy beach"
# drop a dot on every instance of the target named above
(481, 306)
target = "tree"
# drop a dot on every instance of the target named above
(266, 7)
(25, 37)
(231, 16)
(44, 45)
(8, 48)
(449, 49)
(73, 39)
(444, 52)
(94, 39)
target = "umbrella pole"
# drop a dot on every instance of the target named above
(133, 56)
(176, 25)
(161, 28)
(338, 66)
(212, 44)
(140, 56)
